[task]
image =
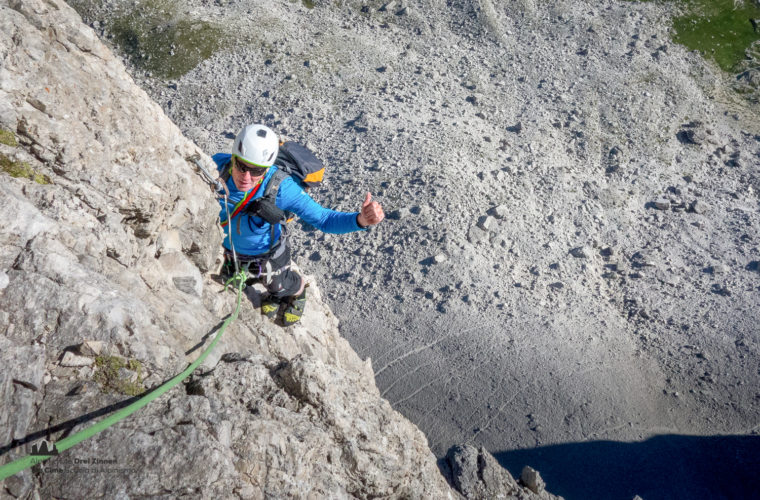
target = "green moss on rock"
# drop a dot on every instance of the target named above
(108, 373)
(8, 138)
(155, 37)
(22, 170)
(718, 29)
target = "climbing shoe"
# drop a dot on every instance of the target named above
(295, 308)
(270, 306)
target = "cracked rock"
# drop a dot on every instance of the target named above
(531, 478)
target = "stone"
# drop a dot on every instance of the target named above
(516, 128)
(90, 348)
(718, 269)
(475, 473)
(500, 212)
(722, 290)
(662, 204)
(188, 284)
(185, 276)
(476, 235)
(86, 387)
(439, 258)
(128, 375)
(531, 478)
(72, 360)
(698, 207)
(400, 214)
(579, 252)
(487, 223)
(694, 133)
(643, 259)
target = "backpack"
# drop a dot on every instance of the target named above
(293, 160)
(303, 165)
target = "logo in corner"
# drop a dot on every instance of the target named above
(44, 448)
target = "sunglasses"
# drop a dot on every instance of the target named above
(244, 167)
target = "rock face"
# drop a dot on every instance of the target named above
(477, 474)
(565, 122)
(104, 264)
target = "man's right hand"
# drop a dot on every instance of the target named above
(371, 213)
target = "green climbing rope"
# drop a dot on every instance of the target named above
(17, 466)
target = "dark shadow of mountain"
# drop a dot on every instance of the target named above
(667, 467)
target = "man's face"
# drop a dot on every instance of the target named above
(246, 175)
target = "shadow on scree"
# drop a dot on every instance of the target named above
(667, 467)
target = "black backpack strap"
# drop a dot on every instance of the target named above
(270, 194)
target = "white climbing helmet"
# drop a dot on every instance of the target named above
(256, 144)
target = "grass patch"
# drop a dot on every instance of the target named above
(8, 138)
(718, 30)
(108, 375)
(21, 170)
(157, 38)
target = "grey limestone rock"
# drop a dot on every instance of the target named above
(476, 235)
(476, 474)
(72, 360)
(695, 132)
(531, 478)
(580, 252)
(500, 212)
(662, 204)
(698, 207)
(487, 223)
(400, 214)
(117, 272)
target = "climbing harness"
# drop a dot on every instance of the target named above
(237, 281)
(262, 269)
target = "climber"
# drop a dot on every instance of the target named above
(260, 195)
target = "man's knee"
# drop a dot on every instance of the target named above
(285, 284)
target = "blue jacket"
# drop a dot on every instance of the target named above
(254, 233)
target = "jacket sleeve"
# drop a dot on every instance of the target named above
(293, 198)
(221, 159)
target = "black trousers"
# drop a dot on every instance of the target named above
(278, 278)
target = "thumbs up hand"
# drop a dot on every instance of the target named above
(371, 213)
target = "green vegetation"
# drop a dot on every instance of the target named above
(168, 44)
(8, 138)
(21, 169)
(718, 30)
(108, 376)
